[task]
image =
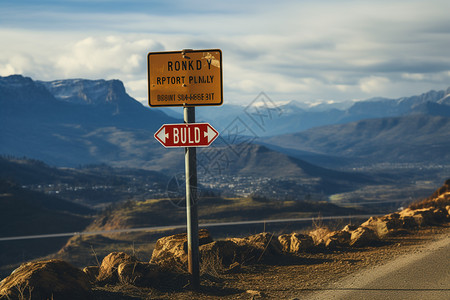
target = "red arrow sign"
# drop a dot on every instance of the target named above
(186, 135)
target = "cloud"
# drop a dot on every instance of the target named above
(373, 84)
(288, 49)
(112, 55)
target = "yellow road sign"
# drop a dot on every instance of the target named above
(185, 78)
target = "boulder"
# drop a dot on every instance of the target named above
(285, 242)
(256, 247)
(51, 279)
(349, 228)
(385, 225)
(171, 251)
(109, 266)
(223, 252)
(295, 242)
(138, 273)
(363, 237)
(300, 243)
(318, 235)
(424, 216)
(337, 239)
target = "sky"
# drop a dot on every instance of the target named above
(308, 51)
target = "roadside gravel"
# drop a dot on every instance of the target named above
(302, 276)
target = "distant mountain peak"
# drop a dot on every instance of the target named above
(22, 90)
(87, 92)
(446, 99)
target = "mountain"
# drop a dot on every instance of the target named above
(78, 122)
(72, 122)
(415, 138)
(295, 116)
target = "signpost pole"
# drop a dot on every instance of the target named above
(191, 205)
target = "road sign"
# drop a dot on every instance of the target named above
(185, 78)
(186, 135)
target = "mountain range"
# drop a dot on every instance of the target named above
(419, 139)
(294, 116)
(76, 122)
(73, 122)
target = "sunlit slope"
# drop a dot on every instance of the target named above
(410, 139)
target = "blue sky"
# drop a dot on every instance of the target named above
(292, 50)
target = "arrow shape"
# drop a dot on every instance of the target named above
(162, 135)
(210, 133)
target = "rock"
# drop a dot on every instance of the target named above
(51, 279)
(362, 237)
(285, 242)
(258, 246)
(350, 227)
(300, 242)
(337, 239)
(295, 242)
(171, 251)
(138, 273)
(222, 252)
(318, 235)
(109, 266)
(424, 216)
(385, 225)
(91, 272)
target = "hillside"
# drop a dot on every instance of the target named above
(167, 213)
(285, 172)
(410, 139)
(98, 122)
(25, 212)
(280, 264)
(76, 122)
(95, 186)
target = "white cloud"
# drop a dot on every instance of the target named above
(112, 55)
(413, 76)
(288, 49)
(373, 84)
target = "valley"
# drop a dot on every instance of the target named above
(78, 157)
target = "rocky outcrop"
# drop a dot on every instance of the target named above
(424, 216)
(56, 279)
(337, 239)
(138, 273)
(258, 246)
(319, 234)
(362, 237)
(295, 242)
(225, 252)
(385, 225)
(51, 279)
(110, 264)
(172, 250)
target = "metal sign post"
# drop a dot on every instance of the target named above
(190, 158)
(187, 78)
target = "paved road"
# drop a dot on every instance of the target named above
(422, 274)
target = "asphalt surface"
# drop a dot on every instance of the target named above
(422, 274)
